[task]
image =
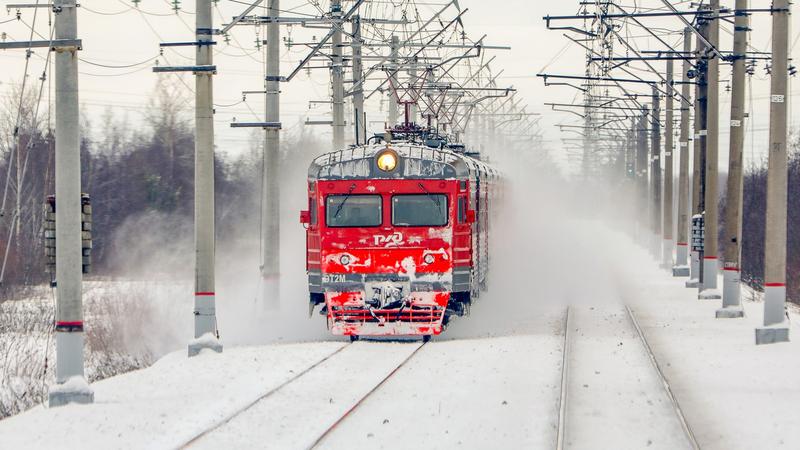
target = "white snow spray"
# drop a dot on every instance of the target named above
(244, 317)
(550, 245)
(153, 256)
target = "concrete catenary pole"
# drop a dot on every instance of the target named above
(655, 174)
(359, 124)
(270, 188)
(776, 328)
(681, 268)
(698, 173)
(731, 291)
(205, 317)
(337, 76)
(395, 48)
(668, 241)
(708, 286)
(69, 299)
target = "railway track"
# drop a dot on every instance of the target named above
(297, 378)
(267, 394)
(347, 413)
(563, 401)
(562, 398)
(687, 429)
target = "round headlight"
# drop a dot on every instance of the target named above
(344, 260)
(428, 259)
(387, 160)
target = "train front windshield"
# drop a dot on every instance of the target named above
(419, 210)
(353, 210)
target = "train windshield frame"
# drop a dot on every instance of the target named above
(353, 210)
(420, 210)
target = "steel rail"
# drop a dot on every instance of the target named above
(687, 429)
(562, 398)
(263, 396)
(347, 413)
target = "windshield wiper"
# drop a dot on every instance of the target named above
(432, 197)
(341, 205)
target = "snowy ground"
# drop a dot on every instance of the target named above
(615, 397)
(116, 313)
(735, 395)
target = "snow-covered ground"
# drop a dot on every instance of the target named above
(615, 398)
(735, 395)
(116, 313)
(470, 392)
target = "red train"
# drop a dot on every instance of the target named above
(397, 237)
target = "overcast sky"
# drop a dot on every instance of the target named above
(115, 34)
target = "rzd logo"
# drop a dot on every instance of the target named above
(390, 240)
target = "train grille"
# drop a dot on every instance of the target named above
(431, 315)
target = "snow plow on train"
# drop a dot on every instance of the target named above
(397, 236)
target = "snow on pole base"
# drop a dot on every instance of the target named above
(73, 390)
(680, 271)
(773, 334)
(71, 386)
(776, 326)
(205, 324)
(206, 341)
(709, 289)
(730, 312)
(731, 295)
(709, 294)
(694, 271)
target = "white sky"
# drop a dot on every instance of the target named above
(131, 37)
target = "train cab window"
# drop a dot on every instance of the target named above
(353, 210)
(419, 210)
(462, 209)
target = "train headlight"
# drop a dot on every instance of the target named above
(428, 259)
(344, 260)
(387, 160)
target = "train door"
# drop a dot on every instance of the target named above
(313, 244)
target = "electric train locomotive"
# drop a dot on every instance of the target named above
(397, 236)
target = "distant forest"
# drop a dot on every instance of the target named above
(754, 204)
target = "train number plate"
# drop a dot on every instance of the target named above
(333, 278)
